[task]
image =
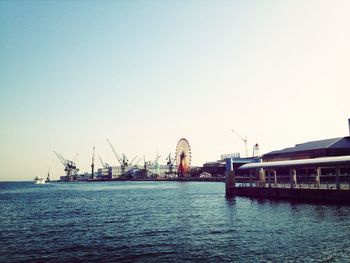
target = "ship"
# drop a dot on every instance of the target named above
(38, 180)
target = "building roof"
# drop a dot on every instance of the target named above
(334, 143)
(342, 143)
(340, 160)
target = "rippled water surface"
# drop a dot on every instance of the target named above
(163, 222)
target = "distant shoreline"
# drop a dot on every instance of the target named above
(134, 180)
(151, 180)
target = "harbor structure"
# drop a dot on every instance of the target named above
(70, 168)
(336, 191)
(311, 171)
(314, 149)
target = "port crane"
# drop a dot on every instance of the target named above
(123, 161)
(151, 163)
(115, 152)
(146, 163)
(245, 140)
(75, 158)
(150, 166)
(155, 163)
(170, 163)
(137, 162)
(104, 165)
(70, 167)
(132, 161)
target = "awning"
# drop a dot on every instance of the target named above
(338, 160)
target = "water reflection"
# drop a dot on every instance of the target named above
(230, 201)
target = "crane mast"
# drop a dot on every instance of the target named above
(93, 163)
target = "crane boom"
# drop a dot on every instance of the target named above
(102, 163)
(133, 159)
(76, 157)
(99, 157)
(115, 153)
(239, 136)
(62, 160)
(138, 161)
(156, 160)
(245, 140)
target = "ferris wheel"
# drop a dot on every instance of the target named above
(183, 156)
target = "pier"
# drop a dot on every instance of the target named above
(325, 179)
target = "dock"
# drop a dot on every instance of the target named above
(262, 179)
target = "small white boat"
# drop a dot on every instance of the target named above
(38, 180)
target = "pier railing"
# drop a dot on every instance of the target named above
(320, 179)
(329, 186)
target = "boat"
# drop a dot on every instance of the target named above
(38, 180)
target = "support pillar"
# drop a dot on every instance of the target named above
(251, 173)
(337, 175)
(269, 177)
(318, 177)
(230, 179)
(293, 178)
(275, 177)
(262, 179)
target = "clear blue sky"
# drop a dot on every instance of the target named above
(146, 73)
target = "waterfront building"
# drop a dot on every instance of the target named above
(216, 168)
(312, 171)
(310, 150)
(314, 149)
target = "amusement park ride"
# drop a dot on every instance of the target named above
(183, 157)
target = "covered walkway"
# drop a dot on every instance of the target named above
(325, 172)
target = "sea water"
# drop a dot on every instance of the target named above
(163, 222)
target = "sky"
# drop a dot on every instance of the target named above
(146, 73)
